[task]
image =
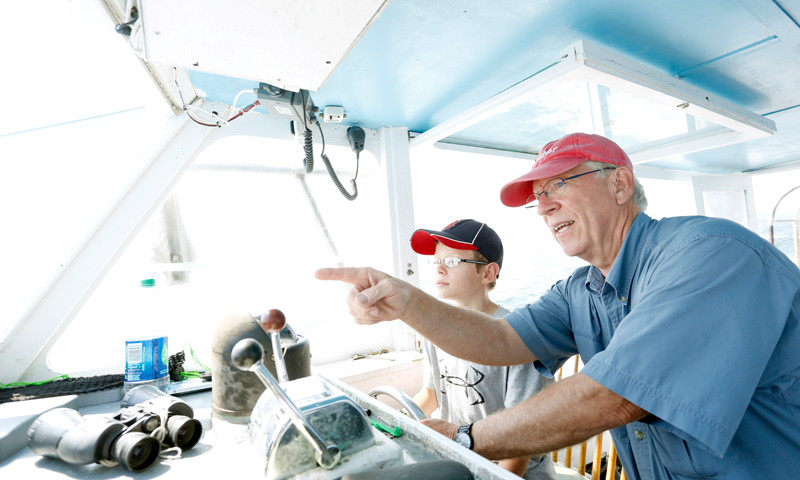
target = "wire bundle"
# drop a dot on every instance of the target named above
(136, 37)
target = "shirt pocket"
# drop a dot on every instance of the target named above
(588, 333)
(683, 460)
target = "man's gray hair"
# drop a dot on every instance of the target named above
(639, 198)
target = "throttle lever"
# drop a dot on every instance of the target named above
(273, 322)
(246, 355)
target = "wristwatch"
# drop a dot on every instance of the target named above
(464, 437)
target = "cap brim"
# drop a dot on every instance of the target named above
(516, 192)
(424, 242)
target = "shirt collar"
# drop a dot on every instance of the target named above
(620, 277)
(595, 280)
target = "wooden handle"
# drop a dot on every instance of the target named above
(273, 321)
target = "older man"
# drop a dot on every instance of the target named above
(688, 327)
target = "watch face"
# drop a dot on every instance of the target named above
(464, 440)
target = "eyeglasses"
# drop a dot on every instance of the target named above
(555, 187)
(451, 262)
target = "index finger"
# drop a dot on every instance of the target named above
(347, 275)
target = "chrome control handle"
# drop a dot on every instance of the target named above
(273, 322)
(277, 352)
(402, 398)
(246, 355)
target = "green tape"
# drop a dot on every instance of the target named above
(25, 384)
(395, 432)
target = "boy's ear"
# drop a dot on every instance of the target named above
(490, 273)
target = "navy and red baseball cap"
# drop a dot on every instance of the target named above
(461, 235)
(559, 156)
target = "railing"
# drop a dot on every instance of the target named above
(611, 466)
(795, 221)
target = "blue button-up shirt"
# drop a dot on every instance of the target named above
(698, 324)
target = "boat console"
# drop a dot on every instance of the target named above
(311, 427)
(304, 424)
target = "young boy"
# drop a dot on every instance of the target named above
(467, 257)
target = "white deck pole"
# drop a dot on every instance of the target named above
(395, 161)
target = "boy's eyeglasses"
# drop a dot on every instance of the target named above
(451, 262)
(555, 187)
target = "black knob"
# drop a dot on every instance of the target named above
(246, 353)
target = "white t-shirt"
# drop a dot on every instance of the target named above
(468, 392)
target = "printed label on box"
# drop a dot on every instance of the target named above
(146, 359)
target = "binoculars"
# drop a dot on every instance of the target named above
(132, 437)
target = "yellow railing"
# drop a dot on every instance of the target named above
(598, 450)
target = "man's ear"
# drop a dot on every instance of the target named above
(623, 184)
(490, 273)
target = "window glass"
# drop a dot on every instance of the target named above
(668, 198)
(246, 239)
(729, 204)
(779, 192)
(451, 185)
(56, 184)
(82, 113)
(558, 108)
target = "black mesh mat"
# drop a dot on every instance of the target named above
(63, 386)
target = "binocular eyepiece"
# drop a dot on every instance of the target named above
(64, 434)
(131, 436)
(144, 408)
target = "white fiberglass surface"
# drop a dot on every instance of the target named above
(250, 243)
(566, 107)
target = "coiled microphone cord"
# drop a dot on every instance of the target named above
(308, 146)
(332, 173)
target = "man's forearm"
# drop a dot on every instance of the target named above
(539, 425)
(376, 297)
(465, 334)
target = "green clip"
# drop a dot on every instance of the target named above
(395, 432)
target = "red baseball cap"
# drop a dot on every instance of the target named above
(559, 156)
